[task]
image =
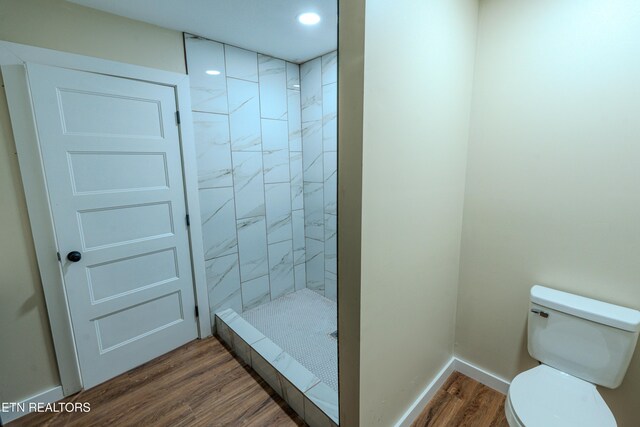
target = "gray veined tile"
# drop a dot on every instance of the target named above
(208, 92)
(248, 184)
(252, 249)
(295, 166)
(293, 76)
(330, 285)
(275, 146)
(330, 183)
(218, 222)
(312, 151)
(274, 135)
(300, 275)
(311, 90)
(297, 222)
(315, 265)
(273, 87)
(297, 196)
(276, 166)
(294, 122)
(255, 292)
(244, 115)
(227, 315)
(330, 117)
(279, 229)
(314, 417)
(266, 371)
(330, 243)
(330, 133)
(241, 348)
(223, 331)
(237, 333)
(325, 398)
(241, 63)
(223, 283)
(213, 150)
(330, 68)
(278, 204)
(281, 269)
(243, 329)
(292, 396)
(330, 165)
(293, 371)
(267, 349)
(313, 211)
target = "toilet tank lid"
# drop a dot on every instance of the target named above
(597, 311)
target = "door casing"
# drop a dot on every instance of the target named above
(13, 56)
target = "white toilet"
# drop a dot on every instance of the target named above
(580, 342)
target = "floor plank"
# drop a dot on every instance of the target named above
(199, 384)
(463, 402)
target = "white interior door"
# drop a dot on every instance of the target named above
(112, 161)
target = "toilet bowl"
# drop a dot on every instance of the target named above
(544, 396)
(580, 343)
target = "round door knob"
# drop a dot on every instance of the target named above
(74, 256)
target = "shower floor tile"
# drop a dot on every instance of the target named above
(301, 323)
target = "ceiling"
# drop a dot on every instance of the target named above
(265, 26)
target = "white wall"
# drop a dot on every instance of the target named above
(27, 359)
(553, 179)
(417, 91)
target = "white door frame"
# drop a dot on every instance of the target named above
(13, 56)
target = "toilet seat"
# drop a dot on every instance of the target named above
(546, 397)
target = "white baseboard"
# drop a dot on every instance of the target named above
(484, 377)
(427, 394)
(48, 396)
(455, 364)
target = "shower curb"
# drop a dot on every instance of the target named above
(306, 394)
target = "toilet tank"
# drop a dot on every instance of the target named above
(586, 338)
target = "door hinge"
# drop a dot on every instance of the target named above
(178, 117)
(188, 221)
(197, 312)
(59, 257)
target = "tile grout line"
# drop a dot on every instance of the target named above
(233, 179)
(304, 233)
(324, 207)
(264, 187)
(303, 168)
(232, 187)
(325, 178)
(286, 91)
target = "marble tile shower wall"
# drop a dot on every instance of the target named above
(247, 123)
(318, 79)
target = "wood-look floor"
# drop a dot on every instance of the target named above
(199, 384)
(462, 401)
(202, 384)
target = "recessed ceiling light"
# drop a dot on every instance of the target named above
(309, 18)
(213, 72)
(296, 85)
